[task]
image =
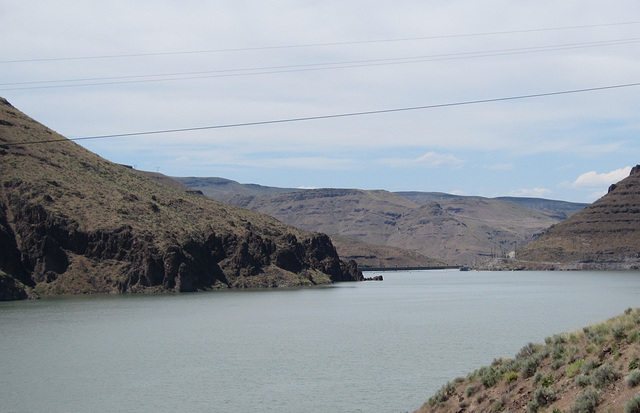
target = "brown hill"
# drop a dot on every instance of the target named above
(588, 371)
(71, 222)
(605, 235)
(456, 230)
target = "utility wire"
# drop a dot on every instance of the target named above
(334, 116)
(101, 81)
(243, 49)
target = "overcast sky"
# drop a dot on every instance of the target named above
(88, 68)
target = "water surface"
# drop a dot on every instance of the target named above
(352, 347)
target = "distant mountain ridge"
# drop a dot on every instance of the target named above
(441, 227)
(73, 222)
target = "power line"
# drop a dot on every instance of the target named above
(293, 46)
(334, 116)
(113, 80)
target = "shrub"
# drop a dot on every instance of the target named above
(544, 396)
(619, 332)
(589, 366)
(558, 351)
(497, 406)
(582, 380)
(529, 366)
(547, 381)
(471, 390)
(442, 395)
(572, 351)
(597, 334)
(511, 376)
(586, 402)
(633, 404)
(633, 364)
(604, 375)
(489, 376)
(527, 351)
(633, 379)
(633, 337)
(532, 407)
(573, 368)
(556, 364)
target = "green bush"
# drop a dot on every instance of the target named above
(547, 381)
(573, 368)
(586, 402)
(633, 404)
(633, 379)
(511, 376)
(489, 376)
(633, 364)
(529, 365)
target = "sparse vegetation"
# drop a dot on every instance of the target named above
(442, 395)
(532, 381)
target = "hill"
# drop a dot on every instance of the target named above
(587, 371)
(605, 235)
(73, 222)
(446, 228)
(367, 256)
(226, 190)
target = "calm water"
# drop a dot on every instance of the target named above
(365, 347)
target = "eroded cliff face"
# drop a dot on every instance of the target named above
(605, 235)
(72, 222)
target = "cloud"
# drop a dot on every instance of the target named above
(182, 159)
(357, 64)
(593, 179)
(435, 160)
(429, 160)
(531, 192)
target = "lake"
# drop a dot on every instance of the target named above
(350, 347)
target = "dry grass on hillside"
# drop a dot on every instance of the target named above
(592, 370)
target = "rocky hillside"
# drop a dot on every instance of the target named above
(73, 222)
(453, 229)
(433, 227)
(605, 235)
(592, 370)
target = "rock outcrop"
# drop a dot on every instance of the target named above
(72, 222)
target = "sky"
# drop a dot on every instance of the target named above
(491, 98)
